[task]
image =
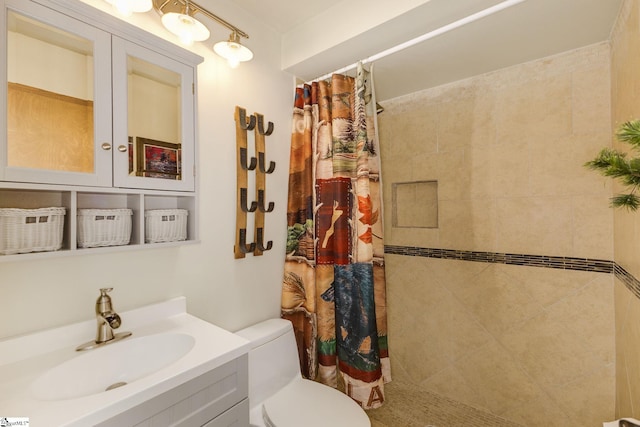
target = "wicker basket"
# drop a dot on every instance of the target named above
(104, 227)
(165, 225)
(31, 230)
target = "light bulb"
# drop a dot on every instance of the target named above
(124, 7)
(233, 51)
(128, 7)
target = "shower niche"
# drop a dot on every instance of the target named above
(415, 204)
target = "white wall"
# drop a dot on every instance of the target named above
(231, 293)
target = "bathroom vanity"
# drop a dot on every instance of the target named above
(175, 369)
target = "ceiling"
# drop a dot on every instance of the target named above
(318, 40)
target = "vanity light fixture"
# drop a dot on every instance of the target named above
(177, 17)
(128, 7)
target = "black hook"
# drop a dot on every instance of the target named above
(261, 126)
(261, 203)
(242, 120)
(259, 239)
(243, 202)
(261, 162)
(243, 160)
(242, 242)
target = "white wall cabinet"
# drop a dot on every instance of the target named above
(99, 114)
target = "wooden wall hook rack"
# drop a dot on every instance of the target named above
(258, 165)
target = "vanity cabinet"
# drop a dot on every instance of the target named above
(99, 114)
(218, 398)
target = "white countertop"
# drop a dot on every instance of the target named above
(23, 359)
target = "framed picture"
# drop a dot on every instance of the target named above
(157, 159)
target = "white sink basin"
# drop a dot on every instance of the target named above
(42, 376)
(112, 366)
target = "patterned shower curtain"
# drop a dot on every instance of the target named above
(334, 288)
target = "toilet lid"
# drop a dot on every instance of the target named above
(311, 404)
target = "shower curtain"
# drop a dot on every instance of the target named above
(333, 287)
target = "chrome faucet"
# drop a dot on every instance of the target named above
(108, 321)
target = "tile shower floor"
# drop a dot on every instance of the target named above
(407, 406)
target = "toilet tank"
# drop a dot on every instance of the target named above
(273, 358)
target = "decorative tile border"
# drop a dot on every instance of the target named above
(546, 261)
(628, 279)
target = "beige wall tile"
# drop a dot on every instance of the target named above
(466, 121)
(478, 177)
(536, 108)
(422, 351)
(630, 338)
(457, 276)
(497, 303)
(507, 150)
(591, 99)
(590, 309)
(420, 237)
(548, 286)
(625, 82)
(494, 372)
(509, 170)
(454, 176)
(557, 165)
(624, 402)
(549, 352)
(592, 227)
(539, 226)
(590, 399)
(541, 411)
(468, 224)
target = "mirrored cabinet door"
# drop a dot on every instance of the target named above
(154, 135)
(57, 98)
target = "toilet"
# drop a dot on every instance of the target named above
(279, 396)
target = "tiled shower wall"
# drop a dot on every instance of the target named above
(531, 344)
(625, 84)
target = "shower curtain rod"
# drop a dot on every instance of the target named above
(431, 34)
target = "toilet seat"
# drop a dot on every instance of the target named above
(308, 403)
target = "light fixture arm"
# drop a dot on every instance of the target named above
(160, 6)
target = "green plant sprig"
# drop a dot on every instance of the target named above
(615, 164)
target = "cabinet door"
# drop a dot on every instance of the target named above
(153, 119)
(57, 95)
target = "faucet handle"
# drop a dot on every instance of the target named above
(113, 320)
(103, 303)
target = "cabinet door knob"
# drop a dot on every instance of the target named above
(106, 146)
(122, 148)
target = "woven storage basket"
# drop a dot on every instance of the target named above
(165, 225)
(31, 230)
(104, 227)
